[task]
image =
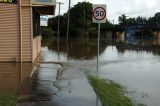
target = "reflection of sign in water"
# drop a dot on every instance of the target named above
(99, 13)
(8, 1)
(43, 0)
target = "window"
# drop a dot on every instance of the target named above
(36, 23)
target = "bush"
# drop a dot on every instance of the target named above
(47, 36)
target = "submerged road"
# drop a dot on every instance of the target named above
(51, 86)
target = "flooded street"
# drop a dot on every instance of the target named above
(46, 84)
(137, 71)
(79, 53)
(71, 83)
(135, 67)
(12, 75)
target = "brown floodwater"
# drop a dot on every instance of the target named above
(12, 75)
(136, 66)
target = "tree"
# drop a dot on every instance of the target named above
(157, 17)
(131, 21)
(141, 20)
(154, 20)
(80, 24)
(53, 24)
(47, 36)
(81, 16)
(122, 19)
(108, 25)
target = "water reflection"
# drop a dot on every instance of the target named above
(11, 75)
(134, 65)
(137, 71)
(78, 49)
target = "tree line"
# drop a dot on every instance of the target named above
(81, 24)
(126, 20)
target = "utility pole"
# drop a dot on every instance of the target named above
(68, 24)
(113, 22)
(58, 25)
(84, 15)
(69, 7)
(84, 19)
(59, 16)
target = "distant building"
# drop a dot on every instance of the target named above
(44, 21)
(20, 28)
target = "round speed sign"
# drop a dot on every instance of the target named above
(99, 13)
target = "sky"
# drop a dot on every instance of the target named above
(115, 8)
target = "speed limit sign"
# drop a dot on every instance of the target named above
(99, 13)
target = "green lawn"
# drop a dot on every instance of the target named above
(110, 93)
(7, 101)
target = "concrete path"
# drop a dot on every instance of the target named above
(69, 88)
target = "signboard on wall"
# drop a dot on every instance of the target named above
(8, 1)
(44, 1)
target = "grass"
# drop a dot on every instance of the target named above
(110, 93)
(7, 101)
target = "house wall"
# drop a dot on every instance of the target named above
(31, 45)
(26, 34)
(9, 32)
(16, 33)
(12, 76)
(36, 47)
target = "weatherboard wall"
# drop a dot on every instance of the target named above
(26, 34)
(9, 32)
(16, 32)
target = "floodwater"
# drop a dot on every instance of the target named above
(71, 84)
(136, 66)
(138, 71)
(11, 75)
(46, 84)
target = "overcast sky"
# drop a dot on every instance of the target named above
(115, 8)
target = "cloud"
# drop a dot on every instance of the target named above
(64, 7)
(139, 7)
(97, 1)
(132, 8)
(151, 3)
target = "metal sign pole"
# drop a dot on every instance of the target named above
(99, 16)
(99, 26)
(98, 45)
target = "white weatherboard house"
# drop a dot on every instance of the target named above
(20, 28)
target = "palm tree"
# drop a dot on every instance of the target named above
(123, 22)
(122, 19)
(157, 18)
